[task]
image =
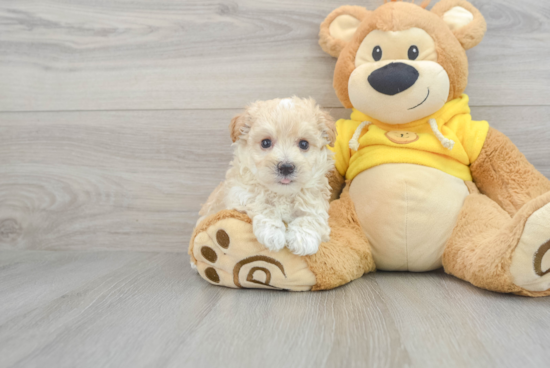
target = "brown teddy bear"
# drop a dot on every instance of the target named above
(425, 186)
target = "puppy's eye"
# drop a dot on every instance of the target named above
(413, 52)
(377, 53)
(304, 145)
(266, 143)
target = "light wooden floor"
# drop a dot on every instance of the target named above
(113, 130)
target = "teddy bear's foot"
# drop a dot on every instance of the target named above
(227, 253)
(530, 267)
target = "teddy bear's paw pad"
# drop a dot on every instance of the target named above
(530, 267)
(228, 254)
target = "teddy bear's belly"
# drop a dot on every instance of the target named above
(408, 213)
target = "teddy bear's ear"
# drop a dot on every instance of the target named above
(239, 127)
(339, 27)
(464, 20)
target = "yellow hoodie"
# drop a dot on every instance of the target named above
(423, 142)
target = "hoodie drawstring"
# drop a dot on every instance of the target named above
(447, 143)
(354, 141)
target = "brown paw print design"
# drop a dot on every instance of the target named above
(228, 254)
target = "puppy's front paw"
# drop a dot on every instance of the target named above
(302, 241)
(269, 232)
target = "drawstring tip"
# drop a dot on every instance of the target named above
(449, 144)
(353, 145)
(445, 142)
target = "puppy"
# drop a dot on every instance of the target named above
(278, 175)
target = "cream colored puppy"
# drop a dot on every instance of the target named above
(278, 175)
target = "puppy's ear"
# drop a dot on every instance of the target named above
(339, 27)
(239, 127)
(464, 20)
(328, 128)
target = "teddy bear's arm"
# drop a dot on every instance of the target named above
(336, 182)
(503, 173)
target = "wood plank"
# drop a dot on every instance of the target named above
(155, 311)
(106, 180)
(34, 279)
(195, 54)
(442, 319)
(136, 180)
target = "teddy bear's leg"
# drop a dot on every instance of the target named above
(225, 252)
(503, 173)
(494, 251)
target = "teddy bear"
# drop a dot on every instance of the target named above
(418, 184)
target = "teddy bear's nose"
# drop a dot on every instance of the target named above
(393, 78)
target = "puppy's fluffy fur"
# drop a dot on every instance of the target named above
(287, 207)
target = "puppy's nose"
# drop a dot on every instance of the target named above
(285, 168)
(393, 78)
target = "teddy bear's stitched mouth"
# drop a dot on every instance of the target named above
(422, 101)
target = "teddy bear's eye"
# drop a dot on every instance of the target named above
(413, 52)
(266, 143)
(377, 53)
